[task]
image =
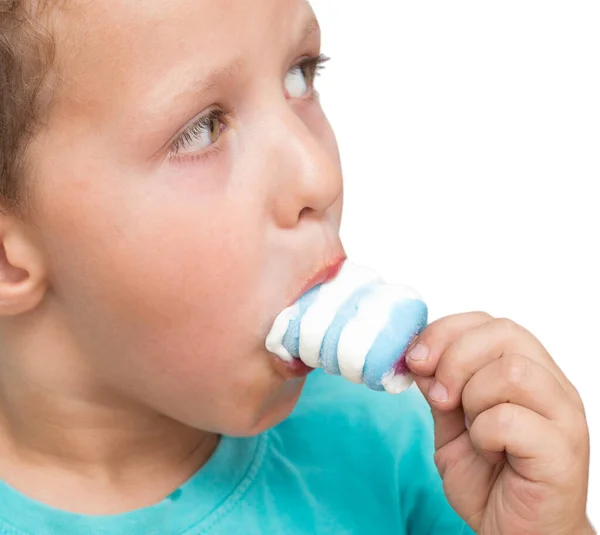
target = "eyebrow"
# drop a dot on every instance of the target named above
(215, 77)
(310, 28)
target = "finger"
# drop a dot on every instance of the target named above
(518, 380)
(423, 354)
(479, 347)
(450, 335)
(447, 425)
(434, 339)
(513, 432)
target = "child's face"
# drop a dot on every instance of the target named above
(168, 270)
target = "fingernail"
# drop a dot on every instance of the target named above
(419, 353)
(438, 392)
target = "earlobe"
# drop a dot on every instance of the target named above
(22, 271)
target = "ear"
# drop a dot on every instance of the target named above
(23, 281)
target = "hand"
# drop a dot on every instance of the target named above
(511, 437)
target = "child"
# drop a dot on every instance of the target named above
(167, 189)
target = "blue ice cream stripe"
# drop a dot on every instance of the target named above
(329, 347)
(408, 317)
(291, 339)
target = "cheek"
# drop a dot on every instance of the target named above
(157, 275)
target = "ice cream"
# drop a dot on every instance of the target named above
(356, 326)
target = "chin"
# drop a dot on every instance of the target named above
(275, 410)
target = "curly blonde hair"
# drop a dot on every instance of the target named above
(26, 55)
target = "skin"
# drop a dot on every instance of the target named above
(509, 427)
(136, 295)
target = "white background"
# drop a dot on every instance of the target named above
(470, 141)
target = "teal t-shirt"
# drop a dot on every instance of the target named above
(347, 461)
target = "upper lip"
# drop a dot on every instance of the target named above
(325, 273)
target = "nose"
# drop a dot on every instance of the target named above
(305, 168)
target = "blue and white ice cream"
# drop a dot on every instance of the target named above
(356, 326)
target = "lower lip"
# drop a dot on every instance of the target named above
(295, 369)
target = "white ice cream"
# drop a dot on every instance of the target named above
(357, 336)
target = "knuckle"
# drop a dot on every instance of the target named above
(578, 401)
(515, 371)
(484, 316)
(506, 325)
(578, 429)
(576, 450)
(504, 417)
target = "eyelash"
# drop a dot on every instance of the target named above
(194, 131)
(314, 65)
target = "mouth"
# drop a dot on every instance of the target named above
(325, 274)
(294, 369)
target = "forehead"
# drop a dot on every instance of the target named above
(104, 46)
(125, 19)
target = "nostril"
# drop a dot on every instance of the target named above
(306, 211)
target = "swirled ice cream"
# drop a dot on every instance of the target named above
(356, 326)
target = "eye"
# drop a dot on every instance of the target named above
(199, 136)
(300, 79)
